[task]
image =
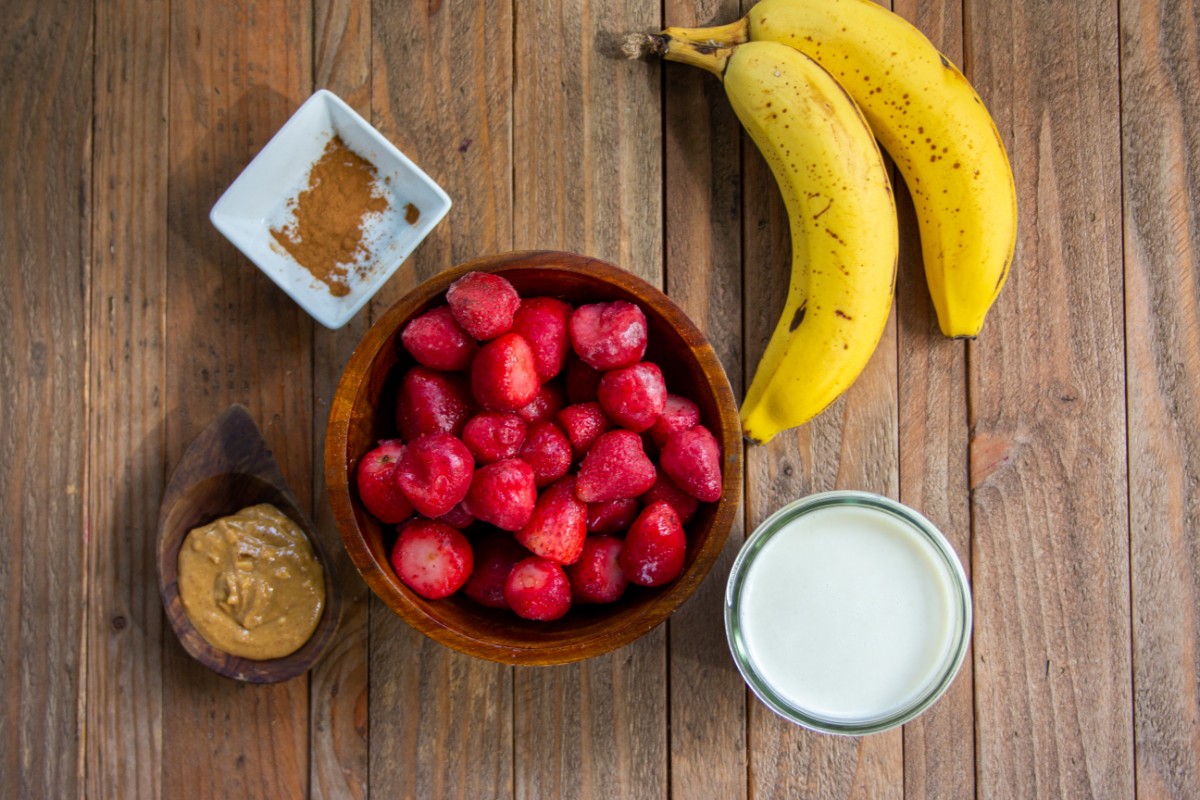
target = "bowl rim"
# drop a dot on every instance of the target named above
(381, 579)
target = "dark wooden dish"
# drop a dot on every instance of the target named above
(227, 468)
(363, 412)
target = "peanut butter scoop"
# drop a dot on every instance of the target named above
(250, 583)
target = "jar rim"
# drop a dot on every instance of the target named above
(948, 559)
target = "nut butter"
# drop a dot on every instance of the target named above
(250, 583)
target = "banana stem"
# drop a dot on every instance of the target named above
(734, 33)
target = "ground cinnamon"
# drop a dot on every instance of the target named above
(325, 232)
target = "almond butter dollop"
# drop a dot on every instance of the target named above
(250, 583)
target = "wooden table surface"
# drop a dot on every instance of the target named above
(1060, 451)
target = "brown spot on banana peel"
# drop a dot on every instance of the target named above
(799, 317)
(842, 314)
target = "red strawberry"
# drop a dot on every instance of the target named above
(537, 588)
(432, 559)
(558, 526)
(543, 408)
(654, 547)
(615, 516)
(597, 576)
(678, 415)
(633, 397)
(503, 494)
(665, 489)
(496, 552)
(503, 376)
(437, 341)
(583, 423)
(457, 517)
(543, 323)
(547, 451)
(493, 435)
(583, 382)
(435, 473)
(432, 402)
(483, 304)
(377, 485)
(693, 460)
(615, 468)
(609, 335)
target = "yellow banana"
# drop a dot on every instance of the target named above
(927, 116)
(843, 225)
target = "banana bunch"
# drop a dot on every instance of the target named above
(822, 153)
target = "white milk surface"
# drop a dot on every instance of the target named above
(848, 613)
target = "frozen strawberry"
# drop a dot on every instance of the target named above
(503, 376)
(583, 423)
(537, 588)
(558, 526)
(483, 304)
(496, 552)
(678, 415)
(435, 473)
(547, 451)
(597, 576)
(432, 402)
(614, 516)
(493, 435)
(633, 397)
(457, 517)
(377, 485)
(545, 406)
(654, 547)
(437, 341)
(503, 494)
(615, 468)
(665, 489)
(609, 335)
(693, 460)
(583, 382)
(542, 321)
(432, 559)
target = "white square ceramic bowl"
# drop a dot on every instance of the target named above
(258, 201)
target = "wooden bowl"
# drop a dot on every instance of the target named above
(227, 468)
(364, 410)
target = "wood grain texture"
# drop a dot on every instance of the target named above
(1160, 133)
(1047, 417)
(235, 76)
(123, 731)
(939, 756)
(338, 685)
(850, 445)
(703, 213)
(441, 90)
(588, 178)
(45, 195)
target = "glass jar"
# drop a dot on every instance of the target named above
(848, 613)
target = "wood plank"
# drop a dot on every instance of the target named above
(338, 685)
(588, 178)
(1047, 418)
(851, 445)
(1160, 162)
(46, 94)
(939, 746)
(235, 77)
(702, 173)
(441, 722)
(123, 732)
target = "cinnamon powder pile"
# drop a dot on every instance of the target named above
(325, 233)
